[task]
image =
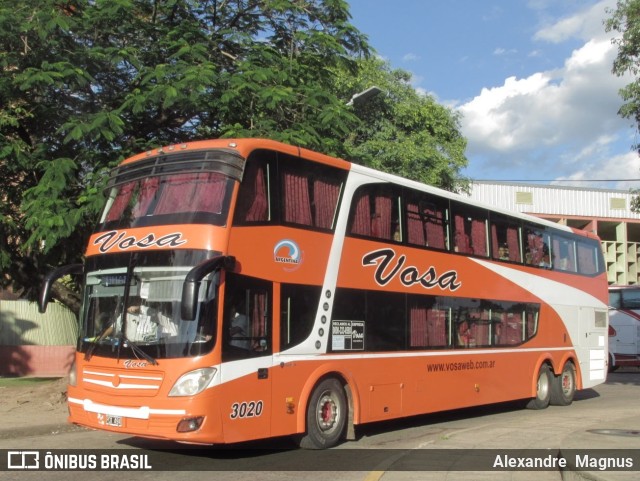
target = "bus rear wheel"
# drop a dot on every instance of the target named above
(563, 387)
(326, 416)
(543, 389)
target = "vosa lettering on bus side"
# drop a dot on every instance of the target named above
(388, 267)
(112, 239)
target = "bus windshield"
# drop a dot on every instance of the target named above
(196, 198)
(139, 308)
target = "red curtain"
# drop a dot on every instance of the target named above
(418, 318)
(259, 315)
(510, 329)
(177, 194)
(121, 201)
(495, 245)
(381, 222)
(435, 229)
(461, 238)
(437, 327)
(146, 193)
(361, 223)
(479, 237)
(209, 193)
(513, 243)
(325, 195)
(258, 210)
(297, 207)
(415, 227)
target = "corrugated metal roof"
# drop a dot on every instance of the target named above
(555, 200)
(21, 324)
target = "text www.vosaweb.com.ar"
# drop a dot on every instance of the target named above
(460, 366)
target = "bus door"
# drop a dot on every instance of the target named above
(247, 356)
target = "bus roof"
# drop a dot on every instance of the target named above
(245, 146)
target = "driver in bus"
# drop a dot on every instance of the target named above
(238, 329)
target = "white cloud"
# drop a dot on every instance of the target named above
(410, 57)
(503, 51)
(585, 25)
(556, 115)
(619, 167)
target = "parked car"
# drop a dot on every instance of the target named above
(624, 326)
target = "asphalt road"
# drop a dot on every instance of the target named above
(594, 421)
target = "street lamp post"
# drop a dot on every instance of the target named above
(364, 96)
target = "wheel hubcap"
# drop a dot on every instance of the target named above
(327, 412)
(567, 383)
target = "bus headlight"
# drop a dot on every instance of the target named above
(193, 382)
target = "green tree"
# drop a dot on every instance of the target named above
(86, 83)
(403, 131)
(625, 20)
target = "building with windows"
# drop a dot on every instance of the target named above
(607, 213)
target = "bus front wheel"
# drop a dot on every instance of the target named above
(543, 389)
(326, 415)
(564, 386)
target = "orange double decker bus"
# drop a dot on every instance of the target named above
(244, 289)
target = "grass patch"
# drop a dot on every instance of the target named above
(25, 381)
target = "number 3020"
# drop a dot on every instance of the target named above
(249, 409)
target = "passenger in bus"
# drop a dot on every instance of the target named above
(503, 252)
(464, 334)
(546, 259)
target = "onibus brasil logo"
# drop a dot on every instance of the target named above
(287, 252)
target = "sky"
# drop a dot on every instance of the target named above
(531, 78)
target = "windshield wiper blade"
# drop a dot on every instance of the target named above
(96, 340)
(137, 350)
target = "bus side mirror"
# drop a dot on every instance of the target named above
(191, 286)
(53, 276)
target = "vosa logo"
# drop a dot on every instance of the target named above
(287, 252)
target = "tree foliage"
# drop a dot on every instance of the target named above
(86, 83)
(625, 20)
(403, 131)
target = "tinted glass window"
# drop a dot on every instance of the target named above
(427, 220)
(375, 213)
(470, 230)
(505, 239)
(298, 309)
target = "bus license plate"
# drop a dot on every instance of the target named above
(115, 421)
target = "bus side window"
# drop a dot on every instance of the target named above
(254, 204)
(427, 221)
(470, 230)
(246, 325)
(536, 248)
(564, 254)
(505, 239)
(428, 323)
(375, 213)
(299, 305)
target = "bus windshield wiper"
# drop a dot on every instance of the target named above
(137, 351)
(96, 340)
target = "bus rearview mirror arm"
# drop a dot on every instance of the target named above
(192, 281)
(50, 278)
